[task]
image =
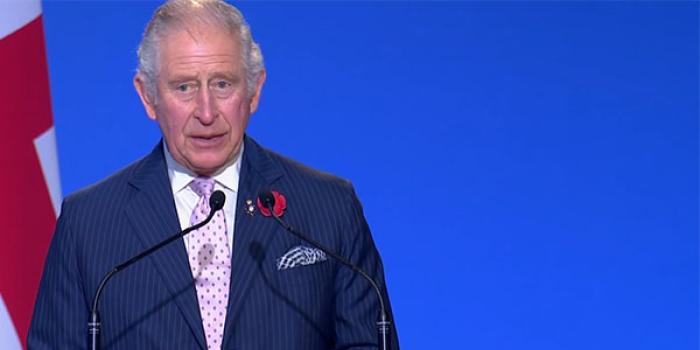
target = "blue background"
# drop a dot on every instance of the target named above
(529, 169)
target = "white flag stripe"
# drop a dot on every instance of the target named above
(8, 336)
(15, 14)
(45, 146)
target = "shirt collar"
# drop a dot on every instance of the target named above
(180, 177)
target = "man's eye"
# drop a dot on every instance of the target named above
(222, 84)
(184, 87)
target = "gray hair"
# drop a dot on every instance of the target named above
(186, 14)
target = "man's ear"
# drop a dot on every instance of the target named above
(255, 99)
(146, 98)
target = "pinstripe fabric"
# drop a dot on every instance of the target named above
(153, 305)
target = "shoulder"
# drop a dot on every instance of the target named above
(107, 192)
(316, 200)
(301, 172)
(299, 177)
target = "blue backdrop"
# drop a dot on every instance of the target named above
(529, 169)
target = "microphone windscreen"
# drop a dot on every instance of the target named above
(267, 199)
(216, 201)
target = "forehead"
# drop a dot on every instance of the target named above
(199, 45)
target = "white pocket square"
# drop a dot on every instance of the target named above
(300, 256)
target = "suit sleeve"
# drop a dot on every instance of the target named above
(357, 306)
(60, 312)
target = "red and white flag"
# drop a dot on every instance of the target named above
(30, 191)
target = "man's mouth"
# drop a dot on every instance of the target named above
(207, 140)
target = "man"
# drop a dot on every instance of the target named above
(241, 282)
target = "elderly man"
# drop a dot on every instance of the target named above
(241, 282)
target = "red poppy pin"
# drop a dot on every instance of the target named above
(279, 207)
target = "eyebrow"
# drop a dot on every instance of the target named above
(181, 77)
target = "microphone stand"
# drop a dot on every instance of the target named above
(216, 202)
(383, 324)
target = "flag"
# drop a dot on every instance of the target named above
(30, 192)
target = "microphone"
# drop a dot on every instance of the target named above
(267, 199)
(216, 202)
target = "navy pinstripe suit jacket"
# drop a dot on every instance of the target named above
(153, 304)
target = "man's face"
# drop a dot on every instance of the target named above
(202, 105)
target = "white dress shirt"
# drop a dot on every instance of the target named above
(226, 180)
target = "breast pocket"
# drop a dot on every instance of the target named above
(303, 270)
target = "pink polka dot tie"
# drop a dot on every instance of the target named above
(210, 260)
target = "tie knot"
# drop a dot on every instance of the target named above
(203, 186)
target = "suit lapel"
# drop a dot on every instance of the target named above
(154, 218)
(251, 233)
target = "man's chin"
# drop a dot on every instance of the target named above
(206, 161)
(208, 165)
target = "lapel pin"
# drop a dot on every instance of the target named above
(249, 207)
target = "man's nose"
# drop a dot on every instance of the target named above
(206, 108)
